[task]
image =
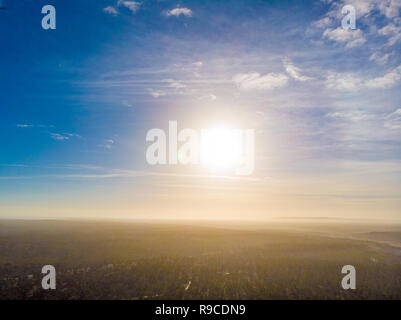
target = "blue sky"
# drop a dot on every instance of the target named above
(76, 103)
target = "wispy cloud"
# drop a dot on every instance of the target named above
(133, 6)
(176, 84)
(363, 9)
(110, 10)
(173, 87)
(351, 38)
(368, 12)
(343, 81)
(390, 8)
(109, 143)
(28, 125)
(381, 58)
(197, 64)
(249, 81)
(294, 71)
(393, 33)
(156, 93)
(393, 120)
(116, 173)
(352, 82)
(323, 22)
(64, 136)
(211, 97)
(386, 81)
(59, 137)
(178, 12)
(352, 115)
(54, 135)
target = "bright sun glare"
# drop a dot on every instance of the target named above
(221, 148)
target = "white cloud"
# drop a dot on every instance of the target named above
(393, 33)
(73, 135)
(367, 12)
(176, 84)
(362, 7)
(294, 71)
(64, 136)
(390, 8)
(173, 87)
(197, 64)
(323, 22)
(109, 143)
(156, 93)
(352, 115)
(343, 81)
(351, 82)
(247, 81)
(381, 59)
(211, 97)
(393, 120)
(133, 6)
(179, 11)
(389, 29)
(24, 125)
(388, 80)
(110, 10)
(59, 137)
(396, 113)
(352, 38)
(126, 103)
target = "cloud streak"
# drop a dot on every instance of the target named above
(252, 81)
(64, 136)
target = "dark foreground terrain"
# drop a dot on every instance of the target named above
(127, 260)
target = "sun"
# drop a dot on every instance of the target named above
(221, 148)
